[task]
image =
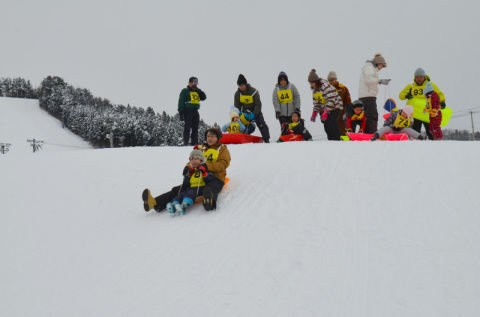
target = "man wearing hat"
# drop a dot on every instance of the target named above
(188, 105)
(344, 94)
(368, 90)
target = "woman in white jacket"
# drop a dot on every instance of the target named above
(368, 90)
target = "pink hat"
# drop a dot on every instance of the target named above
(408, 110)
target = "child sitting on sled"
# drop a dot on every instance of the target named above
(235, 125)
(296, 125)
(356, 117)
(195, 174)
(434, 112)
(398, 122)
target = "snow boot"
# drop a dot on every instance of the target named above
(374, 137)
(148, 201)
(179, 208)
(421, 138)
(208, 203)
(171, 209)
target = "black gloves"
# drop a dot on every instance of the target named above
(182, 117)
(442, 105)
(277, 115)
(409, 96)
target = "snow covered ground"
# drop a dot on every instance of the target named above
(302, 229)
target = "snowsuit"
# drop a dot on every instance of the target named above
(296, 128)
(234, 127)
(188, 105)
(193, 183)
(285, 101)
(416, 91)
(435, 115)
(367, 93)
(218, 159)
(356, 120)
(392, 125)
(327, 98)
(346, 99)
(250, 100)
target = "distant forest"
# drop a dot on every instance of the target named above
(92, 118)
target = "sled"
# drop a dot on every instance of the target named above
(292, 137)
(418, 106)
(240, 138)
(387, 136)
(199, 199)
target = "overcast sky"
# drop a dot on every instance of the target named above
(143, 52)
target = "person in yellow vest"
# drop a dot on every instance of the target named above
(285, 98)
(235, 125)
(195, 174)
(217, 158)
(417, 90)
(188, 105)
(247, 100)
(398, 122)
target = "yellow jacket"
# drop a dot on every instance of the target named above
(417, 90)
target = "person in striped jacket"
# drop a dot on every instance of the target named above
(327, 103)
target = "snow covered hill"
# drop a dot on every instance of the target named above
(302, 229)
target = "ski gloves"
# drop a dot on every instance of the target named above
(383, 81)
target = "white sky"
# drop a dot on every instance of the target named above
(143, 52)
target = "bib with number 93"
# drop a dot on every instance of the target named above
(285, 96)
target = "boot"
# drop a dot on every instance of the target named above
(171, 209)
(375, 137)
(148, 201)
(178, 208)
(208, 202)
(421, 137)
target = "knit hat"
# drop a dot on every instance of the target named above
(428, 89)
(299, 113)
(198, 154)
(234, 114)
(408, 110)
(419, 72)
(193, 80)
(332, 75)
(357, 103)
(241, 80)
(378, 59)
(282, 75)
(313, 76)
(217, 132)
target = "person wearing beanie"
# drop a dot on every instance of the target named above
(433, 107)
(247, 100)
(195, 174)
(285, 98)
(356, 118)
(414, 93)
(188, 106)
(398, 122)
(296, 125)
(217, 160)
(342, 90)
(368, 90)
(235, 125)
(327, 103)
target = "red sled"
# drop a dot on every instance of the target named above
(292, 137)
(387, 136)
(240, 138)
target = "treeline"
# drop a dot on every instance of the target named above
(17, 88)
(459, 135)
(94, 119)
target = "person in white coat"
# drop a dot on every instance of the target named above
(368, 90)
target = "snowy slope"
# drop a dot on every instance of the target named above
(302, 229)
(22, 119)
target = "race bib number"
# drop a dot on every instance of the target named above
(292, 125)
(246, 99)
(417, 92)
(211, 155)
(196, 179)
(285, 96)
(234, 127)
(194, 97)
(319, 97)
(401, 122)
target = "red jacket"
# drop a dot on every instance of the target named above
(355, 117)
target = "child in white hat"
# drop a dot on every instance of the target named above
(398, 122)
(235, 125)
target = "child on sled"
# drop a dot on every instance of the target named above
(235, 125)
(399, 121)
(356, 117)
(195, 174)
(296, 125)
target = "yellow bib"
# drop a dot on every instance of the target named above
(234, 127)
(194, 98)
(357, 116)
(211, 155)
(401, 122)
(417, 91)
(319, 97)
(196, 179)
(246, 99)
(431, 111)
(285, 96)
(244, 120)
(292, 125)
